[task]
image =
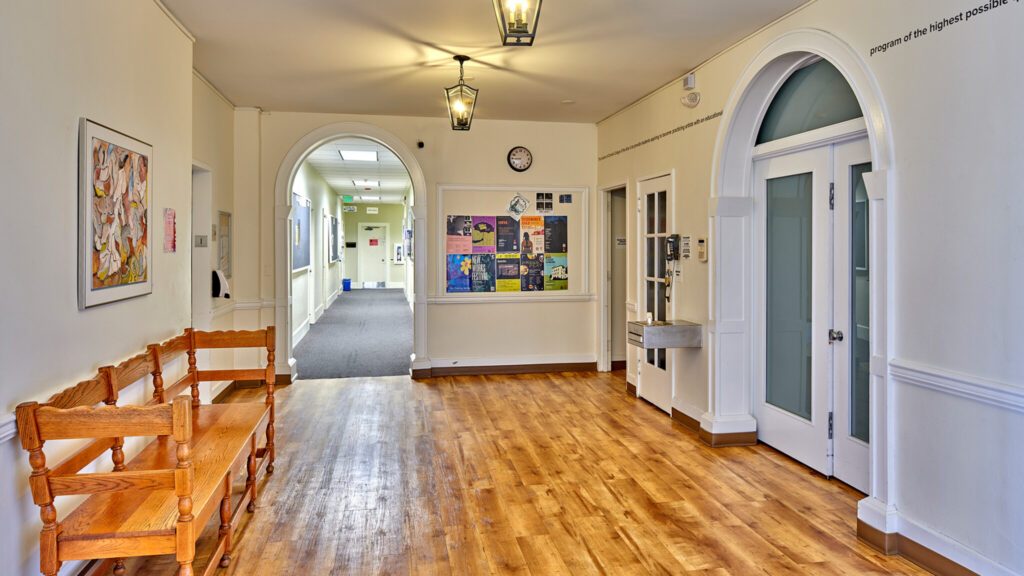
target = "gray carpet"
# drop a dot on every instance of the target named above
(364, 333)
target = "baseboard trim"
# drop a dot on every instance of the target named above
(231, 387)
(688, 422)
(618, 364)
(894, 543)
(631, 389)
(729, 439)
(282, 380)
(503, 370)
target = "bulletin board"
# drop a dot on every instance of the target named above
(489, 251)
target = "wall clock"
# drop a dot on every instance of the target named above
(520, 159)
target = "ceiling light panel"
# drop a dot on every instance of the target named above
(359, 155)
(366, 183)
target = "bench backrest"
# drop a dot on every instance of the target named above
(38, 423)
(73, 413)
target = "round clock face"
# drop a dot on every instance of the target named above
(520, 159)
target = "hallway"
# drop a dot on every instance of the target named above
(364, 333)
(541, 474)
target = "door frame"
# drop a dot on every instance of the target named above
(604, 284)
(387, 250)
(730, 378)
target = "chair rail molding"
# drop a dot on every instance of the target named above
(8, 428)
(984, 390)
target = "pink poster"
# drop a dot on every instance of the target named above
(170, 231)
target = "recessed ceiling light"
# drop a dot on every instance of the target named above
(358, 155)
(366, 183)
(370, 198)
(568, 101)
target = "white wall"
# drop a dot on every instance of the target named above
(58, 64)
(957, 208)
(213, 146)
(312, 289)
(565, 155)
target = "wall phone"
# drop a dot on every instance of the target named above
(672, 248)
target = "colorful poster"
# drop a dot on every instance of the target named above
(556, 234)
(170, 231)
(459, 268)
(532, 232)
(531, 272)
(483, 234)
(508, 273)
(507, 235)
(460, 235)
(556, 272)
(481, 275)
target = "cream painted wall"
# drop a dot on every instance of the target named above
(565, 155)
(56, 68)
(213, 146)
(957, 211)
(391, 214)
(312, 289)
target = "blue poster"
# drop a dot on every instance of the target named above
(460, 267)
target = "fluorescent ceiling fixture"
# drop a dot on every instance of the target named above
(370, 198)
(366, 183)
(359, 155)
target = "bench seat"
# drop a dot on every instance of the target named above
(222, 438)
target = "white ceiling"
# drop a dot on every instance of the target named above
(340, 174)
(394, 56)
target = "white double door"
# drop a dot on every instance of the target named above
(812, 398)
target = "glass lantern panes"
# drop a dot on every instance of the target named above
(517, 21)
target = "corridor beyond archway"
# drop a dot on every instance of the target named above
(364, 333)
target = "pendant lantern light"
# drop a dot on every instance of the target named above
(461, 100)
(517, 21)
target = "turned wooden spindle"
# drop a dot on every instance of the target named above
(225, 521)
(184, 477)
(158, 374)
(192, 370)
(250, 479)
(39, 483)
(271, 381)
(119, 567)
(109, 375)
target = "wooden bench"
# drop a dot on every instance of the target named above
(159, 501)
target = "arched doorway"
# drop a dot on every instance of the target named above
(735, 334)
(283, 222)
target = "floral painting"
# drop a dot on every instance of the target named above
(115, 206)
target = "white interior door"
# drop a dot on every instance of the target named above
(373, 255)
(812, 400)
(793, 401)
(654, 376)
(852, 282)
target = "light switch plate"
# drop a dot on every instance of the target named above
(202, 241)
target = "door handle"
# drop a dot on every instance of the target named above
(835, 336)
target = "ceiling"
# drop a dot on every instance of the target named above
(341, 174)
(394, 56)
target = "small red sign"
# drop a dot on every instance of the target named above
(374, 242)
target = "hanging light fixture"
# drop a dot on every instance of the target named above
(517, 21)
(461, 100)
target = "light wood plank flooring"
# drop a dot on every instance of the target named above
(541, 475)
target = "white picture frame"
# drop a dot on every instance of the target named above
(116, 218)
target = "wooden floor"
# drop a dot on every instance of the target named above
(540, 474)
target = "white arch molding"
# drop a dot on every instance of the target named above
(283, 222)
(734, 243)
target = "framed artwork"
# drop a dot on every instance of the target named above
(335, 240)
(115, 206)
(301, 233)
(224, 243)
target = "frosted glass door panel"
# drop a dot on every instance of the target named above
(789, 276)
